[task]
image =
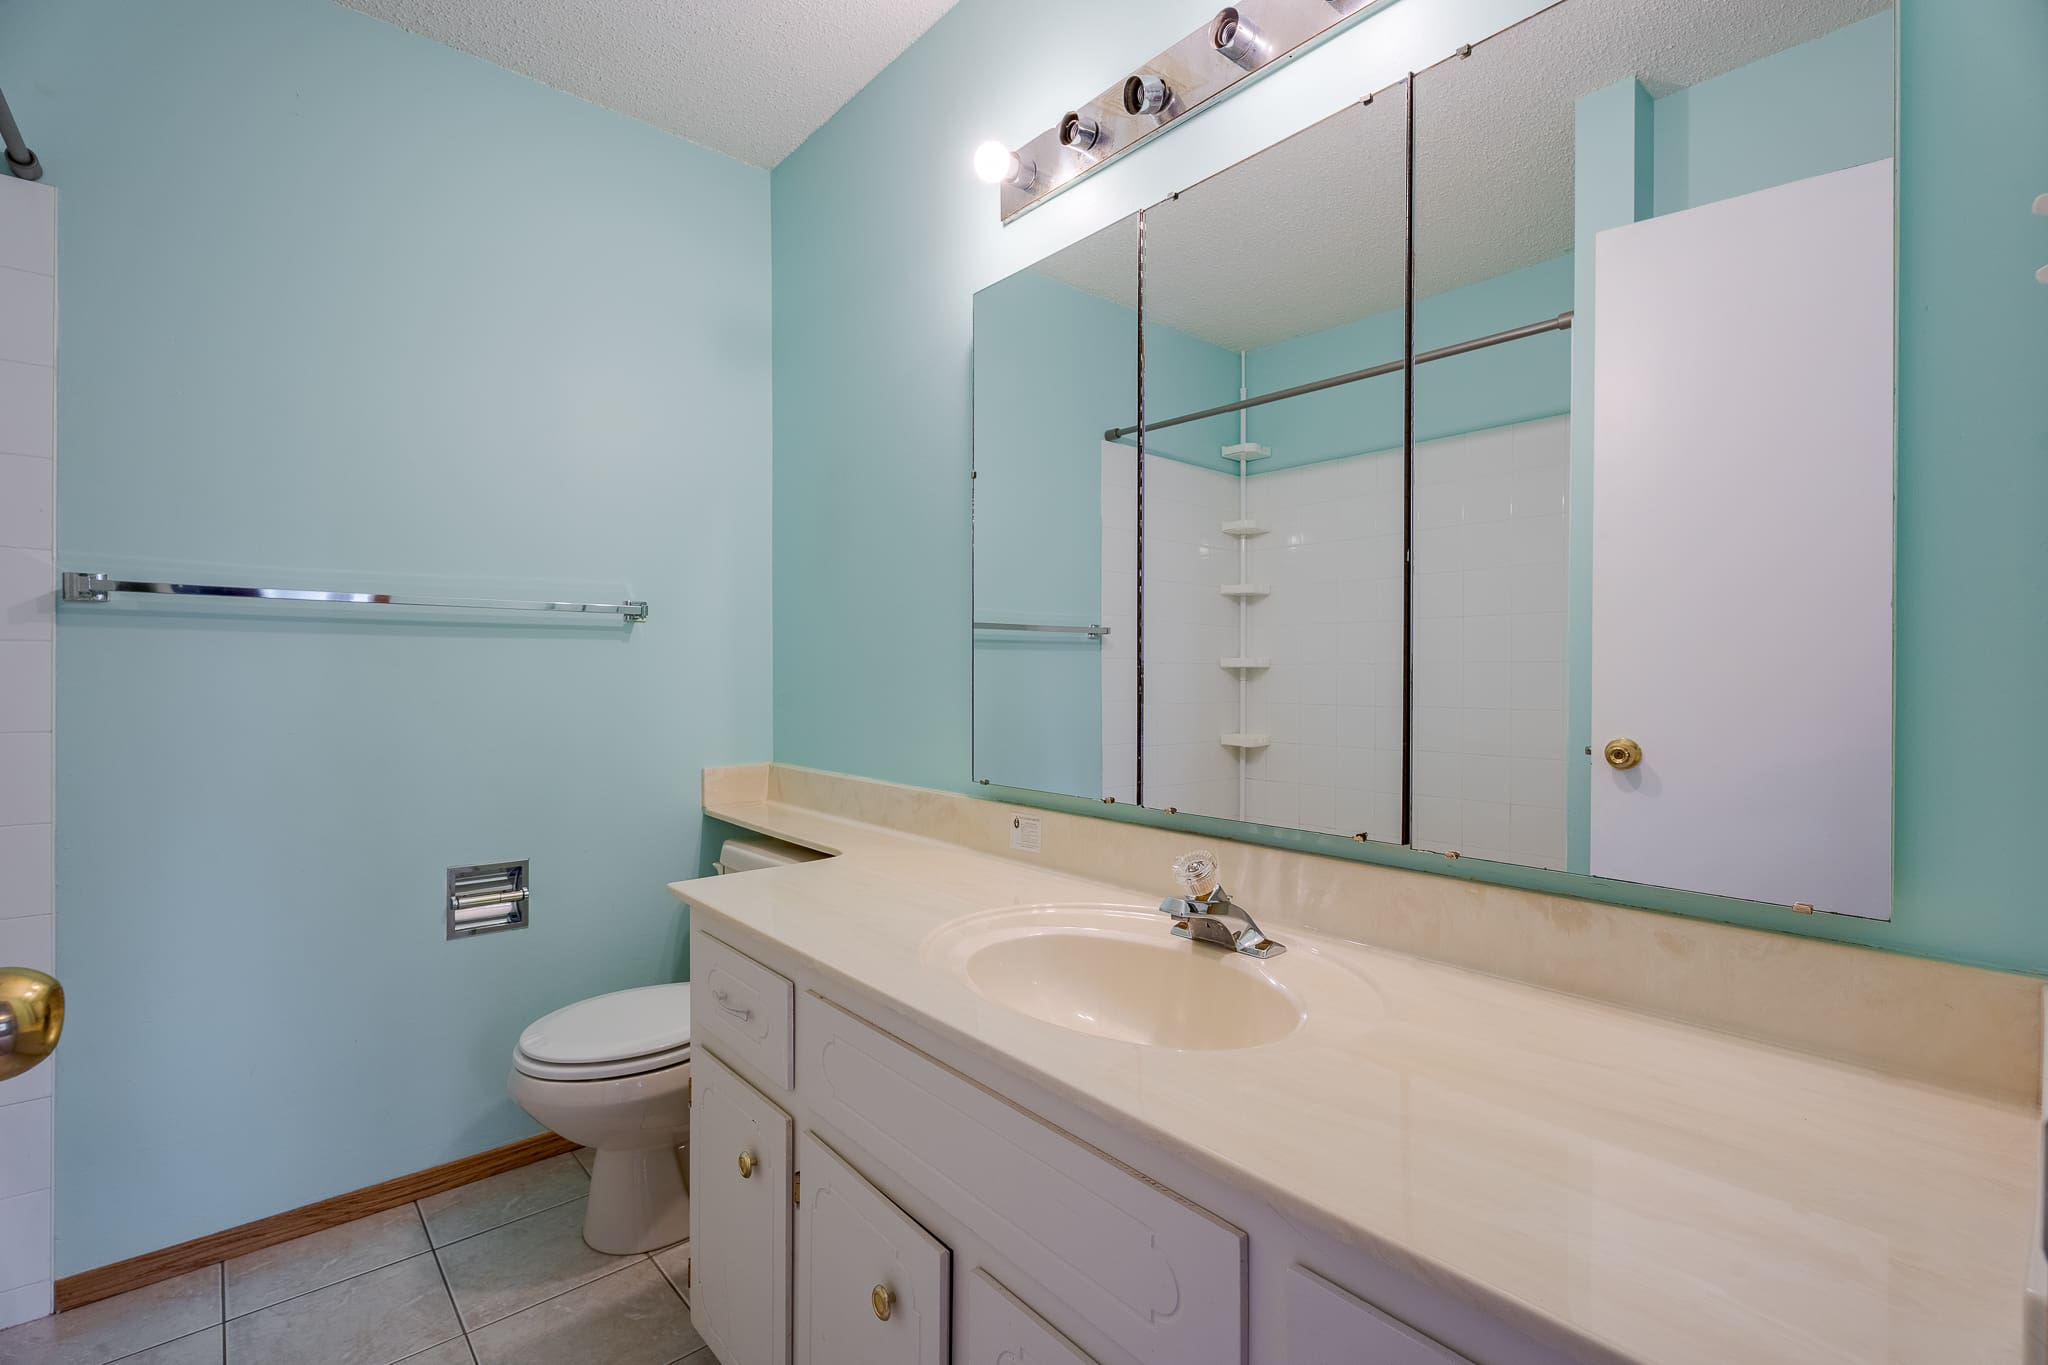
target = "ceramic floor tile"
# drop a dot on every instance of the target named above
(263, 1278)
(375, 1319)
(454, 1352)
(201, 1348)
(497, 1273)
(120, 1326)
(632, 1317)
(502, 1198)
(674, 1262)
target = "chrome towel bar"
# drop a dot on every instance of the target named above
(1092, 632)
(98, 587)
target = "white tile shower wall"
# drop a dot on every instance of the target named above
(1489, 733)
(1190, 627)
(28, 351)
(1332, 627)
(1120, 614)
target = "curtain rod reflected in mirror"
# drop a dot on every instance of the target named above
(1562, 322)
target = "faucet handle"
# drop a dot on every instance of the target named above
(1195, 873)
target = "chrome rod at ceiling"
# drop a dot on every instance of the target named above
(1562, 322)
(98, 587)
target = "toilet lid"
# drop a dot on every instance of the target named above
(612, 1028)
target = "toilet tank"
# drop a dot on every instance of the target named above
(749, 855)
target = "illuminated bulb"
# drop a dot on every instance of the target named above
(998, 165)
(992, 162)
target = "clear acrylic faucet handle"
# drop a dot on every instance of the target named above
(1195, 872)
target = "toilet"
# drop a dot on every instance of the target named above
(613, 1073)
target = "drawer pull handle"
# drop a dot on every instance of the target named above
(884, 1302)
(725, 1003)
(747, 1164)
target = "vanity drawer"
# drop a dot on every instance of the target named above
(1327, 1326)
(1160, 1277)
(742, 1008)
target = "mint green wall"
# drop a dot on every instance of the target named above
(340, 304)
(1056, 367)
(1823, 106)
(881, 232)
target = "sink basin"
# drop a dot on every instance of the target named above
(1115, 971)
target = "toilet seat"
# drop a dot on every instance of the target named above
(625, 1033)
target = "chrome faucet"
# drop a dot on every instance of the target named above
(1204, 911)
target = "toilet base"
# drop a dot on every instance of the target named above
(637, 1201)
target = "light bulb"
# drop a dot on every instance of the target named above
(993, 162)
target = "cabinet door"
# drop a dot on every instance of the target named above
(872, 1286)
(740, 1202)
(1327, 1326)
(996, 1328)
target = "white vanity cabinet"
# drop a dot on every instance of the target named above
(900, 1203)
(873, 1288)
(742, 1173)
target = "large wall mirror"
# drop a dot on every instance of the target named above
(1056, 522)
(1611, 594)
(1653, 553)
(1275, 332)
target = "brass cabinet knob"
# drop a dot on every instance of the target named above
(747, 1164)
(884, 1302)
(1623, 754)
(31, 1018)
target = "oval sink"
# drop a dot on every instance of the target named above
(1117, 973)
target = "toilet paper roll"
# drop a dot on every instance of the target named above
(496, 912)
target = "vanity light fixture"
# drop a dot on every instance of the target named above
(998, 165)
(1146, 93)
(1079, 131)
(1240, 42)
(1235, 37)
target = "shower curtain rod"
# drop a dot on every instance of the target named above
(20, 159)
(1562, 322)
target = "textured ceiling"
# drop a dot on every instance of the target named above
(750, 80)
(1309, 234)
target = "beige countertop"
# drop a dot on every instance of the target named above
(1623, 1185)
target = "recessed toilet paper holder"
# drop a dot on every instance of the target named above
(486, 897)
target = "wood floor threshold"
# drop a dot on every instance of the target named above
(90, 1286)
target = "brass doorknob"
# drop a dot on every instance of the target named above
(1623, 753)
(747, 1165)
(31, 1018)
(884, 1302)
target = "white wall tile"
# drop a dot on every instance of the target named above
(27, 870)
(28, 594)
(25, 1250)
(29, 941)
(27, 1154)
(28, 226)
(28, 317)
(25, 492)
(25, 776)
(28, 409)
(27, 1303)
(27, 677)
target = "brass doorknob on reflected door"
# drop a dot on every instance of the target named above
(746, 1165)
(884, 1302)
(31, 1018)
(1623, 753)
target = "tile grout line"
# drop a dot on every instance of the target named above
(628, 1265)
(461, 1327)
